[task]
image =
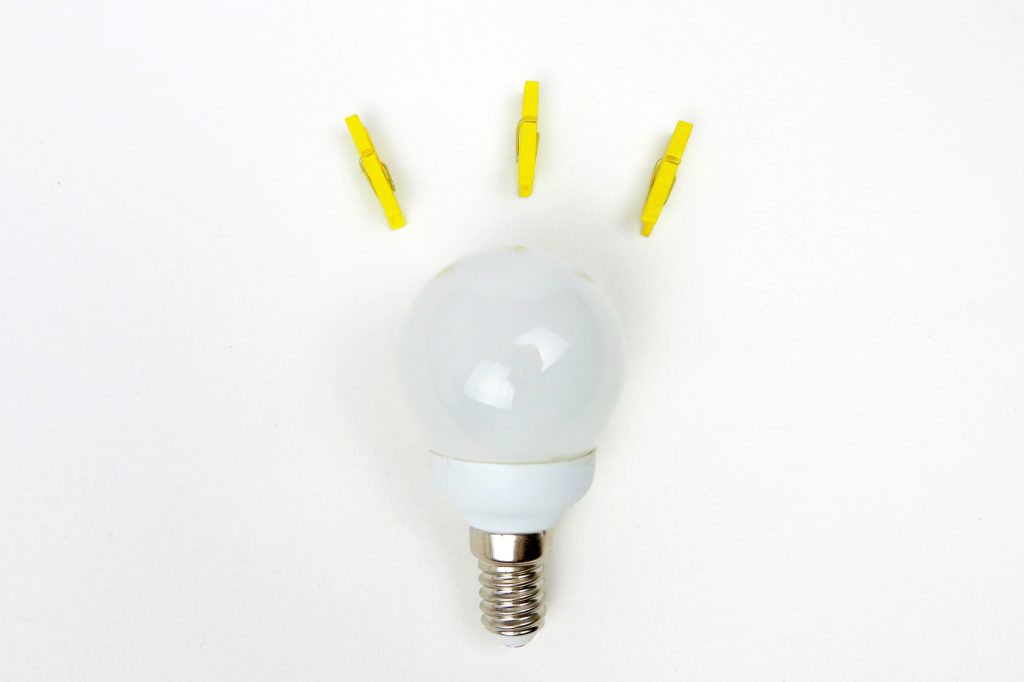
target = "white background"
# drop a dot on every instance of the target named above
(207, 471)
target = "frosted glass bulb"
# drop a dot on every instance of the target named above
(513, 361)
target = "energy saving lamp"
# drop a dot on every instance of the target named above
(513, 361)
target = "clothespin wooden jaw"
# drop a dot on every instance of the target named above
(376, 172)
(527, 138)
(663, 179)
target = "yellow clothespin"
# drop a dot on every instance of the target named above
(376, 172)
(664, 177)
(527, 138)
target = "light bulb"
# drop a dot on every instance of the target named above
(513, 360)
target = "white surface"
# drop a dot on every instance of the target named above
(815, 472)
(512, 356)
(513, 498)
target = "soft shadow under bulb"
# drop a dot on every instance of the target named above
(512, 363)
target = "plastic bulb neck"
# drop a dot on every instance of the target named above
(512, 498)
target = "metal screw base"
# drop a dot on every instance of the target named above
(512, 580)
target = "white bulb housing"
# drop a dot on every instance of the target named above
(513, 361)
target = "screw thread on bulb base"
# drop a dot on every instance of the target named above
(512, 583)
(513, 598)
